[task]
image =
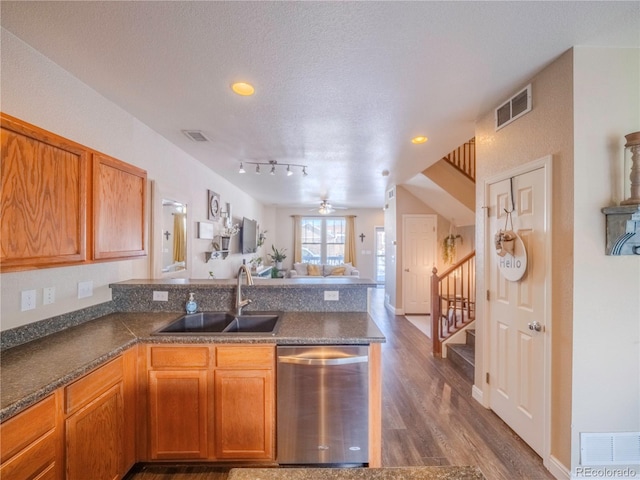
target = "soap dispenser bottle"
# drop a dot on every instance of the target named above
(192, 306)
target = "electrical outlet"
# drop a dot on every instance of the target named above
(48, 295)
(28, 300)
(159, 296)
(331, 295)
(85, 289)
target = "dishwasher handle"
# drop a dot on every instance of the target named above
(299, 360)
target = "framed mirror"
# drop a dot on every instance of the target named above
(170, 239)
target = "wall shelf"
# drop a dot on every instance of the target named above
(215, 254)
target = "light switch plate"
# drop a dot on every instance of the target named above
(28, 300)
(331, 295)
(85, 289)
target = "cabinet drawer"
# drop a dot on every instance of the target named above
(180, 356)
(19, 431)
(245, 356)
(90, 386)
(36, 461)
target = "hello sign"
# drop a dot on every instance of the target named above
(512, 254)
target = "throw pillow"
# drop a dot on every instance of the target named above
(314, 270)
(338, 271)
(300, 268)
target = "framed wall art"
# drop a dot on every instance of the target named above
(213, 205)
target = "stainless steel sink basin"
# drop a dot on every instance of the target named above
(222, 323)
(252, 324)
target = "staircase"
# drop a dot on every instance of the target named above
(462, 355)
(453, 300)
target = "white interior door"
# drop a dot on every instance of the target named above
(418, 259)
(518, 387)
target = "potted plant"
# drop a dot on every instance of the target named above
(255, 262)
(277, 256)
(449, 248)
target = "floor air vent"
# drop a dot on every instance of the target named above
(610, 448)
(514, 108)
(195, 135)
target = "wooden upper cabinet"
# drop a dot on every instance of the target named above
(119, 204)
(44, 198)
(62, 203)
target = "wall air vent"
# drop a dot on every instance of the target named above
(195, 135)
(514, 108)
(620, 448)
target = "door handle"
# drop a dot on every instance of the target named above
(535, 326)
(406, 269)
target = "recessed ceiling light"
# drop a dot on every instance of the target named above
(242, 88)
(419, 139)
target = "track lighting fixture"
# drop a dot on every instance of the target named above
(273, 170)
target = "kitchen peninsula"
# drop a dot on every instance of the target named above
(115, 364)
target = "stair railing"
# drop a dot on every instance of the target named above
(464, 159)
(453, 300)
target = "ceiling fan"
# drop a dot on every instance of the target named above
(326, 208)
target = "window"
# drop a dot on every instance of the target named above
(323, 240)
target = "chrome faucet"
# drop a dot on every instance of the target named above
(240, 304)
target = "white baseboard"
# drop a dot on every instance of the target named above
(557, 469)
(478, 395)
(392, 309)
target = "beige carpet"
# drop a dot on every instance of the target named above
(421, 322)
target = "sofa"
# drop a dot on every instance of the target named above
(322, 270)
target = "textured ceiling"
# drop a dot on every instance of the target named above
(340, 86)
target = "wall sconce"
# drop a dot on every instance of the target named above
(623, 222)
(273, 164)
(632, 167)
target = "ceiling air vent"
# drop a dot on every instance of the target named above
(195, 135)
(514, 108)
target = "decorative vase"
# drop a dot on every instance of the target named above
(279, 265)
(225, 242)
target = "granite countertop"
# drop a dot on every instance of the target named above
(404, 473)
(302, 282)
(31, 371)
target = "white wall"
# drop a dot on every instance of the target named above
(38, 91)
(366, 221)
(606, 290)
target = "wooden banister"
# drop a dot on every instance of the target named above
(463, 158)
(455, 290)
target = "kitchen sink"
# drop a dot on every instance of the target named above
(222, 323)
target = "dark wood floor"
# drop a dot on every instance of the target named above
(429, 417)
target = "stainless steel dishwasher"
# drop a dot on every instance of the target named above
(323, 405)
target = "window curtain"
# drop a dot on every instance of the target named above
(179, 237)
(350, 240)
(297, 238)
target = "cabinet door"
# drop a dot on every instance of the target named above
(31, 443)
(244, 413)
(119, 206)
(43, 199)
(95, 438)
(178, 414)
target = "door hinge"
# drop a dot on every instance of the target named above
(487, 378)
(488, 296)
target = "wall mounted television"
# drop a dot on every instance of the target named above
(249, 235)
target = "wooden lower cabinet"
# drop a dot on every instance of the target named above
(31, 443)
(95, 438)
(244, 404)
(99, 421)
(211, 402)
(178, 414)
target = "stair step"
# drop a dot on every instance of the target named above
(463, 356)
(471, 336)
